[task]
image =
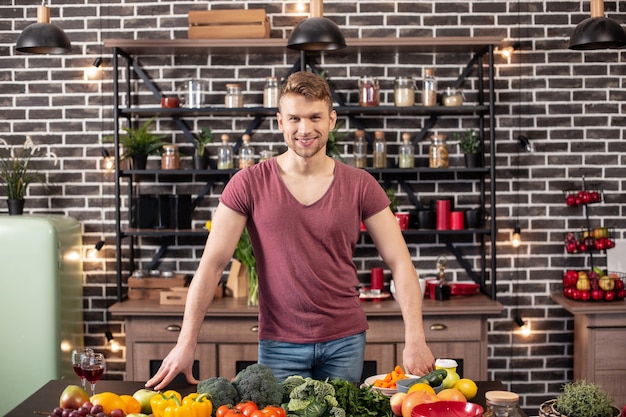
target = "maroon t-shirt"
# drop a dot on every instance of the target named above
(307, 279)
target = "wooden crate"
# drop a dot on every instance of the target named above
(237, 284)
(174, 296)
(228, 24)
(150, 288)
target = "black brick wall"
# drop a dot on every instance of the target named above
(569, 104)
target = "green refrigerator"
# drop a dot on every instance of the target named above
(41, 308)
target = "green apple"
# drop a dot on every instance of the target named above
(143, 396)
(137, 415)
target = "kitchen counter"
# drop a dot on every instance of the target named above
(47, 397)
(228, 338)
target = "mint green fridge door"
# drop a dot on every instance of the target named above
(41, 311)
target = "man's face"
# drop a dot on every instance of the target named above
(305, 124)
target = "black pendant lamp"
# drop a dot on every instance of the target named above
(43, 37)
(597, 31)
(316, 33)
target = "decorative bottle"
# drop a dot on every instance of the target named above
(170, 158)
(380, 150)
(246, 153)
(225, 154)
(438, 152)
(429, 88)
(234, 96)
(406, 152)
(360, 149)
(404, 92)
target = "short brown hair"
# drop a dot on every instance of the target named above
(309, 85)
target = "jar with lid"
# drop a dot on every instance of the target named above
(429, 88)
(225, 154)
(438, 152)
(380, 150)
(170, 158)
(369, 92)
(246, 153)
(234, 96)
(266, 154)
(452, 97)
(406, 152)
(404, 92)
(270, 92)
(360, 149)
(501, 404)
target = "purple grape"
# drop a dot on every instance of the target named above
(101, 414)
(66, 412)
(58, 411)
(74, 413)
(117, 413)
(83, 411)
(96, 409)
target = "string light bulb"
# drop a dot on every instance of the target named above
(516, 237)
(114, 345)
(524, 327)
(92, 253)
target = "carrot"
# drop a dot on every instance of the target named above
(390, 379)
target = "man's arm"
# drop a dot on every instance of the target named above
(385, 232)
(227, 226)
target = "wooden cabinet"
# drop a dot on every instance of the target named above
(599, 340)
(228, 338)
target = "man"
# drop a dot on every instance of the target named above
(303, 211)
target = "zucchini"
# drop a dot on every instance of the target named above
(434, 378)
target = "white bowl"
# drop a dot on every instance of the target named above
(369, 382)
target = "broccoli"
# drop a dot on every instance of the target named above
(220, 390)
(289, 384)
(257, 383)
(314, 398)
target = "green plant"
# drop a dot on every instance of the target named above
(584, 399)
(245, 255)
(469, 142)
(139, 141)
(202, 139)
(334, 137)
(391, 194)
(15, 171)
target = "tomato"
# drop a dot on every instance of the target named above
(226, 410)
(276, 411)
(247, 408)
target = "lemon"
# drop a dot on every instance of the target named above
(207, 225)
(421, 386)
(467, 387)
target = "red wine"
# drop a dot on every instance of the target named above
(93, 374)
(78, 371)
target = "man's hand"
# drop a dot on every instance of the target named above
(177, 361)
(418, 360)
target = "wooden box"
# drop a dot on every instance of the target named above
(228, 24)
(237, 284)
(174, 296)
(150, 288)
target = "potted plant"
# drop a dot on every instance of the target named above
(334, 137)
(469, 143)
(138, 144)
(245, 255)
(580, 399)
(200, 158)
(16, 173)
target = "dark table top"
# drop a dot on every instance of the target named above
(47, 397)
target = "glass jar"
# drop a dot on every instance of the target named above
(380, 150)
(266, 154)
(225, 154)
(406, 152)
(369, 92)
(404, 92)
(501, 404)
(246, 153)
(452, 97)
(270, 92)
(438, 152)
(234, 96)
(360, 149)
(170, 158)
(429, 88)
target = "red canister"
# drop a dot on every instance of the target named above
(457, 220)
(377, 279)
(443, 214)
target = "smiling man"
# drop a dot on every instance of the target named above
(303, 211)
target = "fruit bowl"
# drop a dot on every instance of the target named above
(597, 239)
(447, 409)
(594, 285)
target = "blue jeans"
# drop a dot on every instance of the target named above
(341, 358)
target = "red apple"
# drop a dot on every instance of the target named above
(585, 295)
(73, 397)
(594, 196)
(396, 401)
(620, 294)
(576, 294)
(609, 295)
(597, 294)
(570, 200)
(586, 198)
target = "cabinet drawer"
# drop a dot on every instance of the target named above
(436, 329)
(230, 330)
(609, 345)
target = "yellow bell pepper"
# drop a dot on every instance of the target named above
(170, 404)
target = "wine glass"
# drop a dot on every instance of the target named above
(77, 355)
(92, 366)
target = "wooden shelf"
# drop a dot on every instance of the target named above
(279, 45)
